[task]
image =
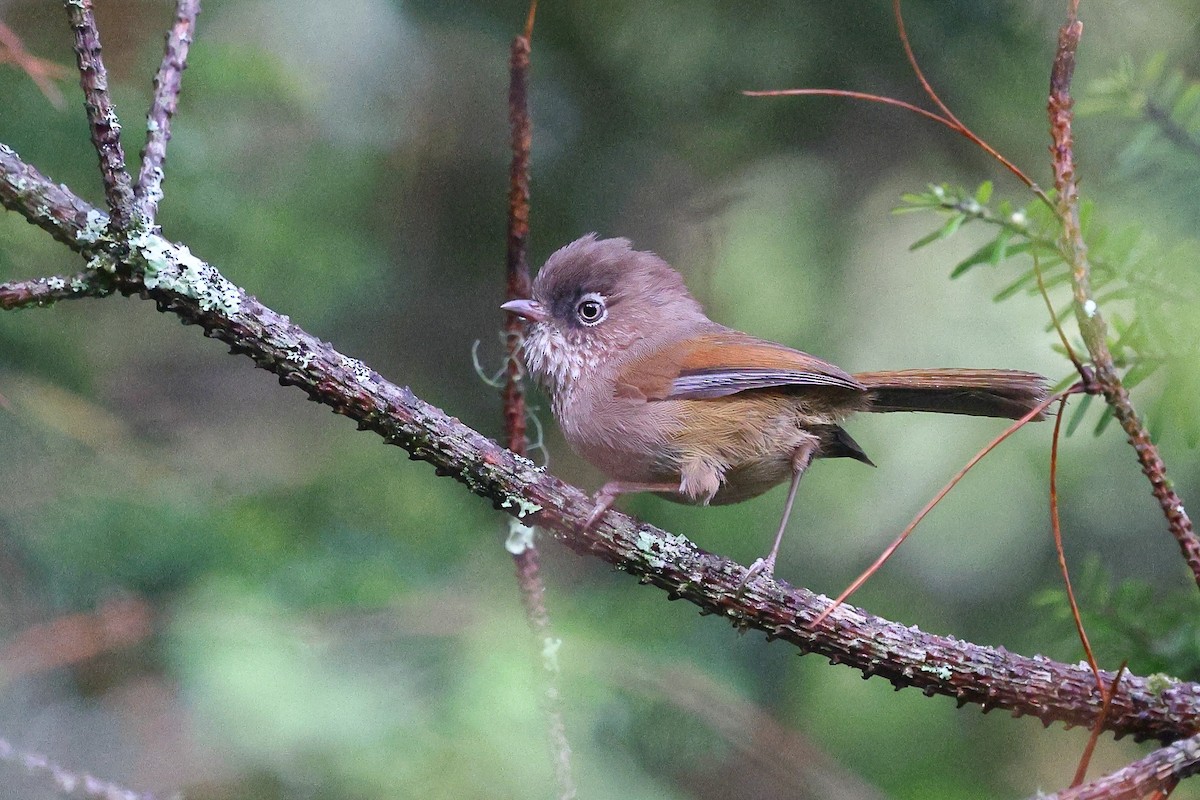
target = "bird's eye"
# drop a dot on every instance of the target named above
(591, 309)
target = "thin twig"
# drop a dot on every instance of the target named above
(1088, 381)
(166, 98)
(1094, 735)
(891, 549)
(946, 117)
(101, 114)
(916, 68)
(42, 72)
(1087, 311)
(197, 293)
(1056, 530)
(48, 291)
(521, 542)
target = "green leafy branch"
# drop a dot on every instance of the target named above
(1165, 100)
(1157, 631)
(1146, 289)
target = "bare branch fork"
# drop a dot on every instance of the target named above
(136, 260)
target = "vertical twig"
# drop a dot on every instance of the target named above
(1056, 530)
(166, 98)
(521, 544)
(1087, 312)
(102, 115)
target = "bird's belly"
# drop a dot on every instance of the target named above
(626, 440)
(743, 444)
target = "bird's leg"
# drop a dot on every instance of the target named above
(765, 567)
(610, 491)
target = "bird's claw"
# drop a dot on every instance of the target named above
(604, 502)
(761, 568)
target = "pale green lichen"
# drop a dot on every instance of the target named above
(294, 352)
(362, 373)
(1159, 682)
(524, 507)
(662, 548)
(299, 357)
(56, 283)
(520, 538)
(102, 262)
(940, 670)
(94, 227)
(645, 544)
(174, 268)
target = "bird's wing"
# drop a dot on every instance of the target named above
(724, 362)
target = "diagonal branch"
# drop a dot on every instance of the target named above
(181, 284)
(167, 82)
(48, 291)
(52, 207)
(1158, 772)
(42, 72)
(1091, 322)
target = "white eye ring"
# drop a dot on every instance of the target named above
(591, 309)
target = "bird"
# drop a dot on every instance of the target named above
(662, 399)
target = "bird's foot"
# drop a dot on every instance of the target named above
(761, 568)
(604, 501)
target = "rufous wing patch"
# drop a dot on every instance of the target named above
(726, 362)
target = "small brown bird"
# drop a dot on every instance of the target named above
(662, 399)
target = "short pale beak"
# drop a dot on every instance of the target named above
(529, 309)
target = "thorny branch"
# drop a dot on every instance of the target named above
(1091, 322)
(1158, 772)
(143, 263)
(166, 98)
(101, 114)
(66, 781)
(181, 284)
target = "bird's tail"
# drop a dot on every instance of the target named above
(978, 392)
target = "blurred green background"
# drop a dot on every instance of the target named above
(327, 619)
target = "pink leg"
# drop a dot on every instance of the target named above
(610, 491)
(765, 567)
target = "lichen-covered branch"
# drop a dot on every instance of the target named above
(167, 83)
(102, 115)
(1091, 322)
(183, 285)
(48, 291)
(52, 207)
